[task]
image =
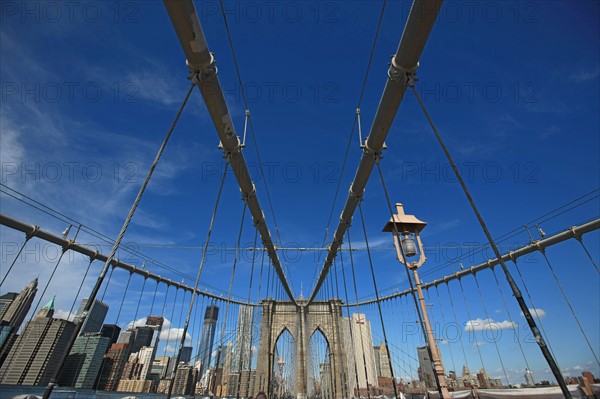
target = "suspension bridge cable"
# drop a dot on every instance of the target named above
(510, 318)
(360, 324)
(471, 320)
(580, 239)
(136, 202)
(476, 250)
(172, 323)
(344, 377)
(487, 315)
(376, 294)
(199, 273)
(564, 294)
(137, 309)
(27, 238)
(462, 345)
(539, 319)
(437, 292)
(252, 311)
(404, 261)
(154, 298)
(349, 323)
(123, 299)
(35, 309)
(249, 119)
(81, 285)
(107, 283)
(233, 269)
(354, 123)
(516, 291)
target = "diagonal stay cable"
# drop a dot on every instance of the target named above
(199, 274)
(511, 282)
(233, 269)
(354, 123)
(385, 339)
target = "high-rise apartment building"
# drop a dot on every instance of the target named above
(84, 361)
(16, 309)
(208, 337)
(112, 367)
(38, 351)
(357, 338)
(242, 348)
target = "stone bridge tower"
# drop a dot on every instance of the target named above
(301, 322)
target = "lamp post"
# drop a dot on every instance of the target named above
(407, 240)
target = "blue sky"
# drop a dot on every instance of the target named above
(89, 91)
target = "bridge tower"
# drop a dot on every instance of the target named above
(301, 321)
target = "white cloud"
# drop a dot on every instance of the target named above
(488, 324)
(173, 335)
(541, 313)
(585, 76)
(64, 314)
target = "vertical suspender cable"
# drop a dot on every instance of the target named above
(117, 242)
(349, 321)
(362, 345)
(510, 318)
(377, 296)
(198, 275)
(487, 315)
(564, 294)
(408, 276)
(27, 238)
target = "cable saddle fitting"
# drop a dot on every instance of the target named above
(403, 75)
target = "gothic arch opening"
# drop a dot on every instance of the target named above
(283, 378)
(320, 384)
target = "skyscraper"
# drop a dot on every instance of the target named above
(83, 364)
(208, 337)
(38, 351)
(529, 381)
(95, 316)
(15, 313)
(242, 348)
(5, 301)
(185, 380)
(426, 366)
(143, 337)
(384, 362)
(137, 338)
(186, 354)
(357, 337)
(111, 331)
(112, 367)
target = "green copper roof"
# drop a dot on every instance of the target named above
(50, 304)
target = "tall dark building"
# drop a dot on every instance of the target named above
(142, 337)
(137, 338)
(38, 351)
(111, 331)
(82, 366)
(186, 354)
(208, 337)
(95, 317)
